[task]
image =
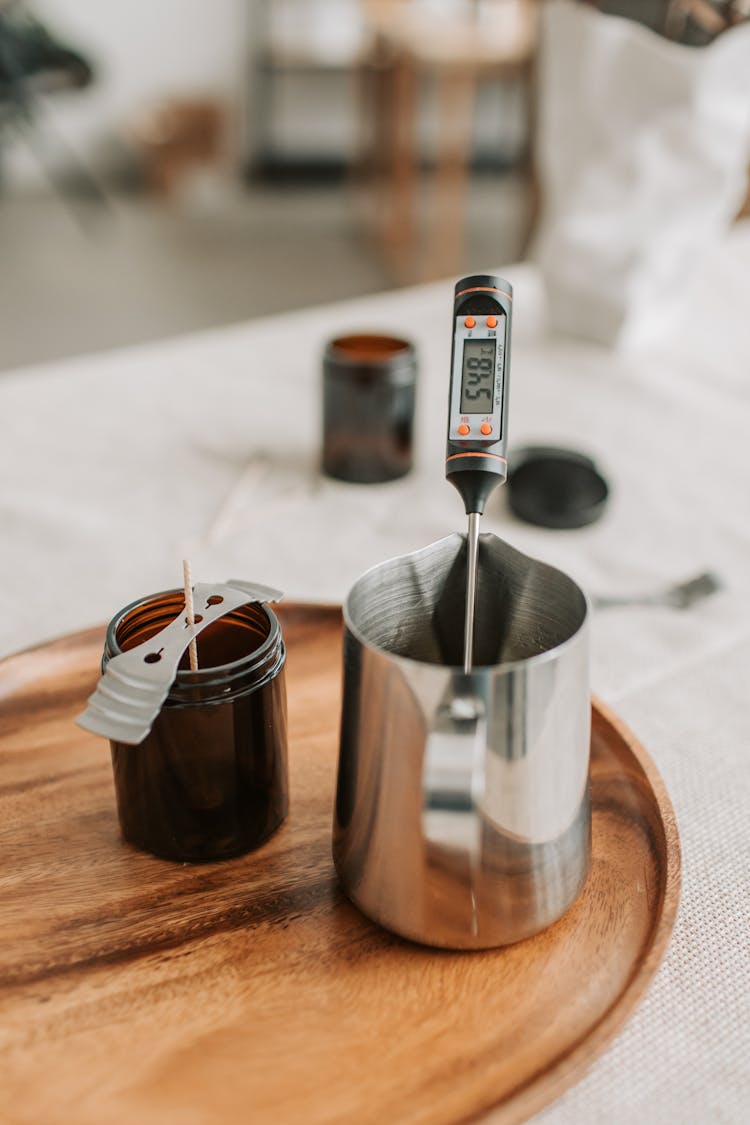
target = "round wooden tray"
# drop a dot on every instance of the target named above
(135, 989)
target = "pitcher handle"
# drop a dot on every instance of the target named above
(453, 784)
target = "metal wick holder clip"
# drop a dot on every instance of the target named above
(136, 683)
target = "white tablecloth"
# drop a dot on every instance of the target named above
(113, 467)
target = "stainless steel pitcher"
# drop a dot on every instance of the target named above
(462, 808)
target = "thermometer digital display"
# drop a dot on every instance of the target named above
(478, 397)
(478, 376)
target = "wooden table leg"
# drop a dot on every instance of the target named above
(400, 234)
(370, 154)
(456, 89)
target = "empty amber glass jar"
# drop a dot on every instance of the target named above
(210, 779)
(369, 392)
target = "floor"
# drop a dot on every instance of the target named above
(76, 281)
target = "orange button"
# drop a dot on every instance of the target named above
(463, 429)
(485, 428)
(492, 322)
(470, 322)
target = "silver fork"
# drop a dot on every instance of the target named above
(681, 595)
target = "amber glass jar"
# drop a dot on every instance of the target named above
(369, 391)
(210, 779)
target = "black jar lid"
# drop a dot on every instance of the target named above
(555, 487)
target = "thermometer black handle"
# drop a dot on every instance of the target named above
(475, 461)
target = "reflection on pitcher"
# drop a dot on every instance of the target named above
(462, 811)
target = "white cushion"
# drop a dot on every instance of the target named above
(643, 152)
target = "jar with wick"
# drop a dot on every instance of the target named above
(209, 780)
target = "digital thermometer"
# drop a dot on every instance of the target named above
(475, 461)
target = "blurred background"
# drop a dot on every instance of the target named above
(172, 165)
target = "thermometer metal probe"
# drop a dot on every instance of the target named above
(475, 461)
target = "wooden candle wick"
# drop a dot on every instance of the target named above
(190, 612)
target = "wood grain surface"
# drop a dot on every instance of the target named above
(133, 989)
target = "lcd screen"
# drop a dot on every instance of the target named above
(478, 376)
